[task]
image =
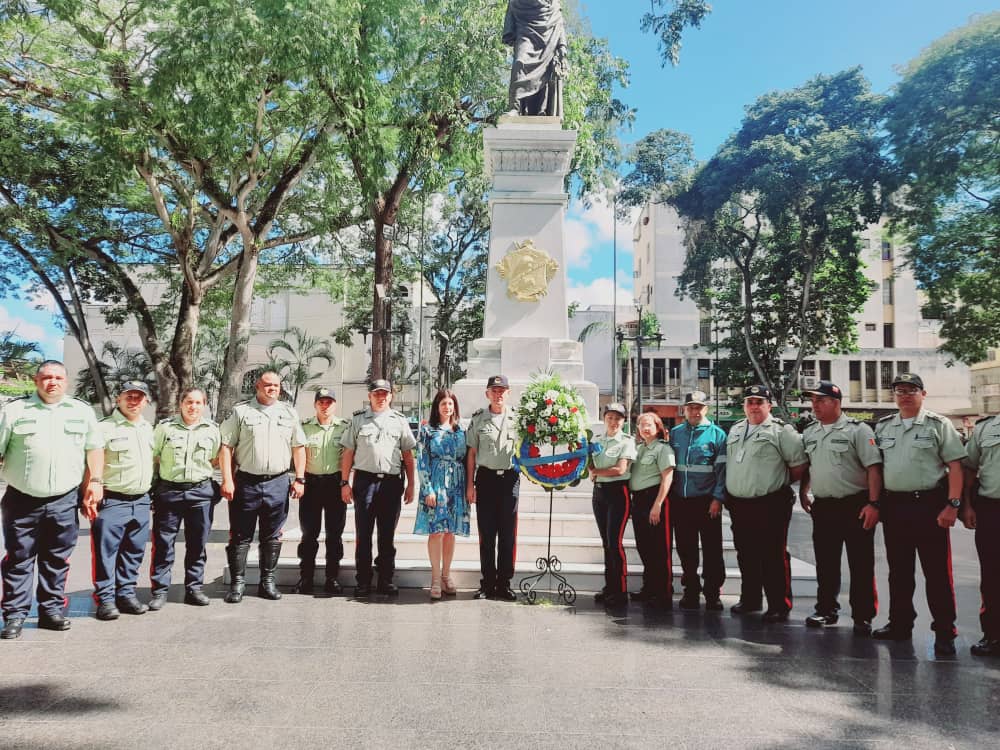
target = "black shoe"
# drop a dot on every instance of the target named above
(483, 593)
(600, 596)
(12, 628)
(387, 588)
(689, 601)
(640, 596)
(58, 622)
(304, 586)
(332, 586)
(197, 598)
(820, 620)
(662, 603)
(713, 604)
(862, 628)
(986, 647)
(944, 645)
(129, 605)
(504, 593)
(362, 591)
(107, 612)
(774, 616)
(158, 602)
(616, 601)
(740, 608)
(890, 633)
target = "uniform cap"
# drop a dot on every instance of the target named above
(379, 385)
(615, 407)
(908, 378)
(498, 381)
(757, 391)
(826, 388)
(325, 392)
(696, 397)
(134, 385)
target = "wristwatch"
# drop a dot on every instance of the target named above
(97, 480)
(955, 502)
(874, 504)
(344, 483)
(300, 480)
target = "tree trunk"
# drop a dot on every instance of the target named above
(382, 304)
(239, 330)
(185, 334)
(78, 326)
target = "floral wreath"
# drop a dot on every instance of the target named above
(552, 414)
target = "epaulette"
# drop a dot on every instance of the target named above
(26, 396)
(983, 419)
(932, 415)
(165, 420)
(887, 418)
(358, 413)
(778, 421)
(477, 412)
(850, 420)
(398, 413)
(241, 403)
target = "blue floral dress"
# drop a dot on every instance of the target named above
(441, 466)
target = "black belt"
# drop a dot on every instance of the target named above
(498, 472)
(785, 493)
(261, 477)
(110, 495)
(179, 486)
(373, 475)
(934, 493)
(858, 496)
(321, 477)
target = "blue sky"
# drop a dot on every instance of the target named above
(744, 49)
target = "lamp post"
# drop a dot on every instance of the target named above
(639, 340)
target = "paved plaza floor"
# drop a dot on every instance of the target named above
(314, 671)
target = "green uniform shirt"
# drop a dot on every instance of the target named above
(615, 449)
(128, 454)
(494, 443)
(44, 447)
(984, 455)
(916, 459)
(378, 440)
(650, 461)
(186, 452)
(262, 437)
(839, 457)
(758, 465)
(323, 444)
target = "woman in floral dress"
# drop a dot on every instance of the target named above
(443, 510)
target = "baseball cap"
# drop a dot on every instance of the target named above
(379, 385)
(757, 391)
(134, 385)
(696, 397)
(498, 381)
(826, 388)
(615, 407)
(908, 378)
(325, 392)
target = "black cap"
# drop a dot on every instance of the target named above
(696, 397)
(325, 392)
(379, 385)
(498, 381)
(826, 388)
(757, 391)
(134, 385)
(615, 407)
(908, 378)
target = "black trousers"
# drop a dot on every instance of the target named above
(653, 543)
(836, 525)
(496, 520)
(909, 523)
(988, 547)
(321, 501)
(173, 506)
(760, 533)
(691, 522)
(377, 504)
(256, 499)
(611, 504)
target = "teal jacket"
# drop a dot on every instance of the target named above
(701, 460)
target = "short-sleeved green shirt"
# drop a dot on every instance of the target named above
(650, 462)
(378, 440)
(916, 458)
(186, 452)
(262, 437)
(44, 447)
(323, 444)
(494, 441)
(614, 450)
(984, 455)
(757, 464)
(839, 457)
(128, 454)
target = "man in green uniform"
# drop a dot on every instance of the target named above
(493, 484)
(322, 494)
(378, 446)
(120, 526)
(845, 472)
(260, 439)
(44, 440)
(982, 513)
(922, 457)
(186, 448)
(764, 457)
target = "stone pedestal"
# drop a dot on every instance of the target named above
(527, 159)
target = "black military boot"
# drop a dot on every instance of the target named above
(332, 585)
(306, 575)
(269, 553)
(237, 556)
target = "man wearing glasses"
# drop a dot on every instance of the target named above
(922, 458)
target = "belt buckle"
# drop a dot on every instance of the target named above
(380, 476)
(500, 472)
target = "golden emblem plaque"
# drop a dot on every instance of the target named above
(528, 271)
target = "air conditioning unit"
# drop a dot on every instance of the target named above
(808, 383)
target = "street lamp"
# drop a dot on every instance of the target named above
(639, 340)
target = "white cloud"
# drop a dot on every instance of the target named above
(590, 226)
(42, 300)
(21, 329)
(598, 292)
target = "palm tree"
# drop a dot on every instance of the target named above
(17, 356)
(302, 350)
(118, 365)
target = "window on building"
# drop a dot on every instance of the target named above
(866, 243)
(854, 370)
(824, 369)
(889, 335)
(704, 369)
(886, 250)
(902, 366)
(644, 374)
(886, 375)
(887, 292)
(675, 370)
(871, 327)
(705, 331)
(808, 368)
(659, 371)
(871, 375)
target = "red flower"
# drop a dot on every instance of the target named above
(534, 452)
(553, 419)
(548, 402)
(574, 410)
(555, 438)
(531, 429)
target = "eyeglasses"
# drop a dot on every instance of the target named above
(906, 391)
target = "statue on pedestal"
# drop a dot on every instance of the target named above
(535, 29)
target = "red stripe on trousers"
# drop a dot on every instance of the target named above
(621, 536)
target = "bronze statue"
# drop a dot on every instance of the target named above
(535, 29)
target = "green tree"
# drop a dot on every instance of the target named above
(779, 207)
(669, 25)
(295, 355)
(944, 129)
(118, 365)
(663, 163)
(17, 356)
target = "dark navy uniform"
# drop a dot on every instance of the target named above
(983, 464)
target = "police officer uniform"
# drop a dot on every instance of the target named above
(759, 500)
(322, 499)
(915, 459)
(984, 464)
(378, 441)
(43, 448)
(184, 493)
(612, 503)
(262, 438)
(839, 456)
(498, 485)
(699, 480)
(119, 534)
(652, 542)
